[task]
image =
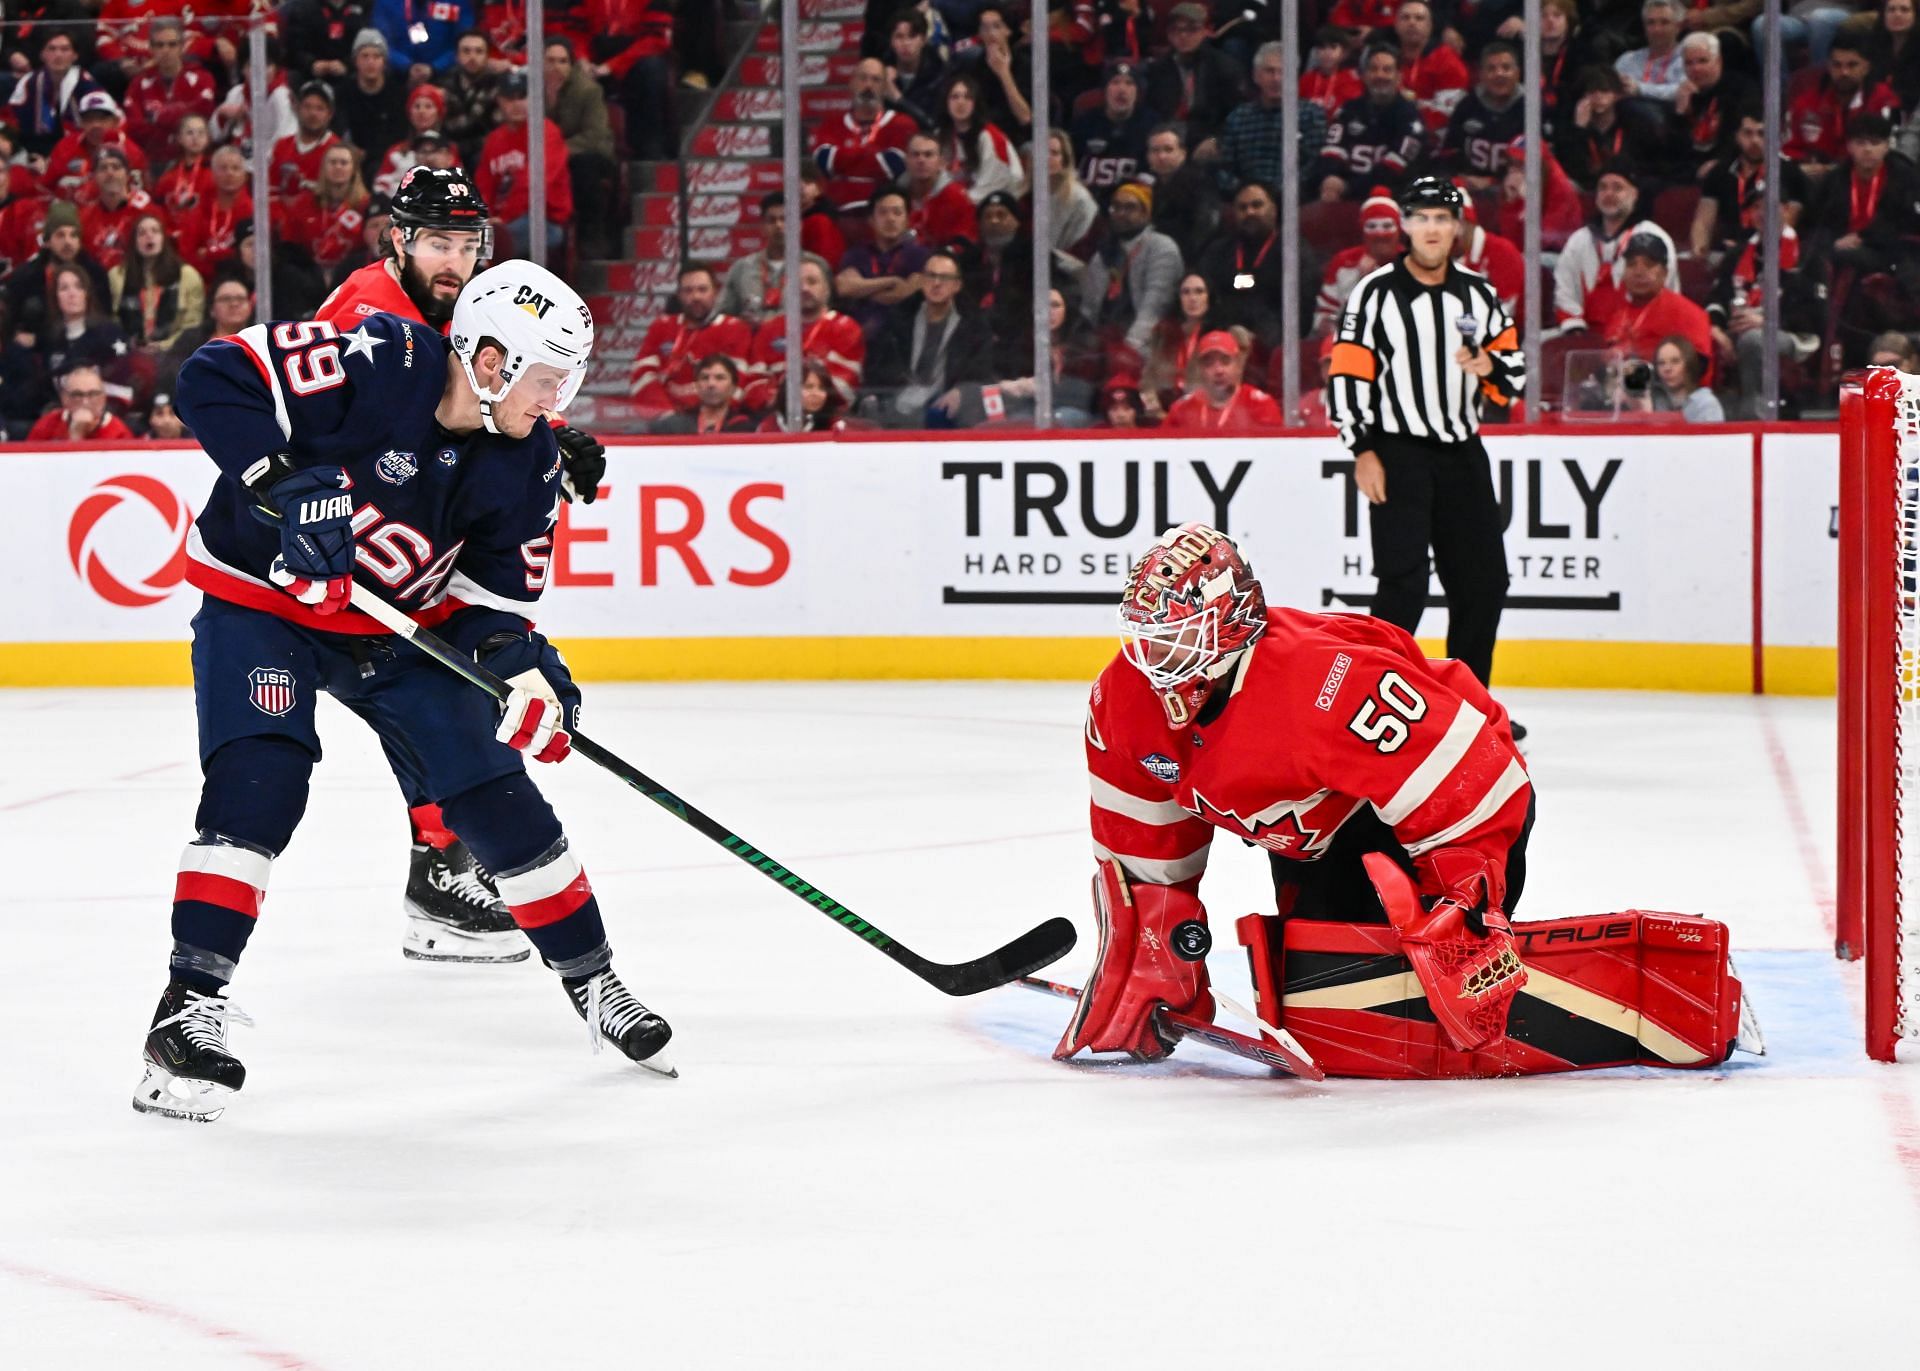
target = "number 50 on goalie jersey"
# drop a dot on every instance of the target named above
(441, 520)
(1325, 714)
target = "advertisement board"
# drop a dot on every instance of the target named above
(1632, 559)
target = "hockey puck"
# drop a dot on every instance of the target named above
(1190, 941)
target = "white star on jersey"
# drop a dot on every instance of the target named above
(361, 342)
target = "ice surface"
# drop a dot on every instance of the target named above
(427, 1168)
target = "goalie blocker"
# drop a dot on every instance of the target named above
(1362, 768)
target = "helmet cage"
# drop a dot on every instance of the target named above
(1172, 653)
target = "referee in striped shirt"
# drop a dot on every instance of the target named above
(1422, 345)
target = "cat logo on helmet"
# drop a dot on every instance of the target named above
(537, 305)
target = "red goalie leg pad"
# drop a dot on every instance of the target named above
(1144, 929)
(1635, 988)
(1470, 978)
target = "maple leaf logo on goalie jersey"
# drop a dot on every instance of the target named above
(472, 528)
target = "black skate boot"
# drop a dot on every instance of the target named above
(613, 1015)
(190, 1074)
(454, 913)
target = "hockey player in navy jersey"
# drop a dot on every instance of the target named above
(423, 468)
(439, 236)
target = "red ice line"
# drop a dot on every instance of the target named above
(1810, 862)
(1899, 1112)
(241, 1342)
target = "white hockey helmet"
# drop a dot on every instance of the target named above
(535, 316)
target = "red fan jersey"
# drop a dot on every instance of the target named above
(70, 165)
(124, 25)
(108, 233)
(296, 165)
(1435, 81)
(1331, 90)
(370, 290)
(21, 221)
(155, 106)
(329, 232)
(210, 233)
(183, 186)
(860, 158)
(1817, 119)
(671, 353)
(1248, 410)
(1325, 715)
(834, 338)
(501, 177)
(945, 216)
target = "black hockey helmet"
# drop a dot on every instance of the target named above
(441, 198)
(1433, 192)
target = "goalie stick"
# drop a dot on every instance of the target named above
(1278, 1051)
(1035, 948)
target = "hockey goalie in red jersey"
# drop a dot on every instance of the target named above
(1395, 811)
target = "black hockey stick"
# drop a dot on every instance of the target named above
(1029, 952)
(1280, 1052)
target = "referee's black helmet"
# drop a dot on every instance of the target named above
(1433, 192)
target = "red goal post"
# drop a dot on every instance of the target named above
(1878, 895)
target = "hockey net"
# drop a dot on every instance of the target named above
(1879, 698)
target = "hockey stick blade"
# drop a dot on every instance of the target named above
(1175, 1025)
(1029, 952)
(1035, 948)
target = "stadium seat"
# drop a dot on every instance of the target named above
(1673, 210)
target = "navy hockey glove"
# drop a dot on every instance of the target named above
(584, 458)
(544, 709)
(313, 509)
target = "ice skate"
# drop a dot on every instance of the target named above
(189, 1072)
(454, 914)
(614, 1016)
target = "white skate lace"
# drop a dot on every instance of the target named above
(203, 1022)
(464, 885)
(611, 1008)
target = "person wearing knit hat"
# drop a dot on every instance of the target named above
(1132, 279)
(426, 108)
(373, 100)
(1381, 241)
(30, 288)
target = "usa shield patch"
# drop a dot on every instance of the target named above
(271, 689)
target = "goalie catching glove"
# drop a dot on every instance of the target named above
(313, 509)
(1460, 944)
(1153, 947)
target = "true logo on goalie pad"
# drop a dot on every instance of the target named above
(271, 689)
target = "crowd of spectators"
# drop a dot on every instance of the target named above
(127, 155)
(1161, 175)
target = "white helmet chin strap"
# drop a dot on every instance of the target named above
(487, 398)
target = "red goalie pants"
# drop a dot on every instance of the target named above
(1606, 990)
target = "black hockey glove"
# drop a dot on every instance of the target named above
(585, 461)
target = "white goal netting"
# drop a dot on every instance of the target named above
(1902, 619)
